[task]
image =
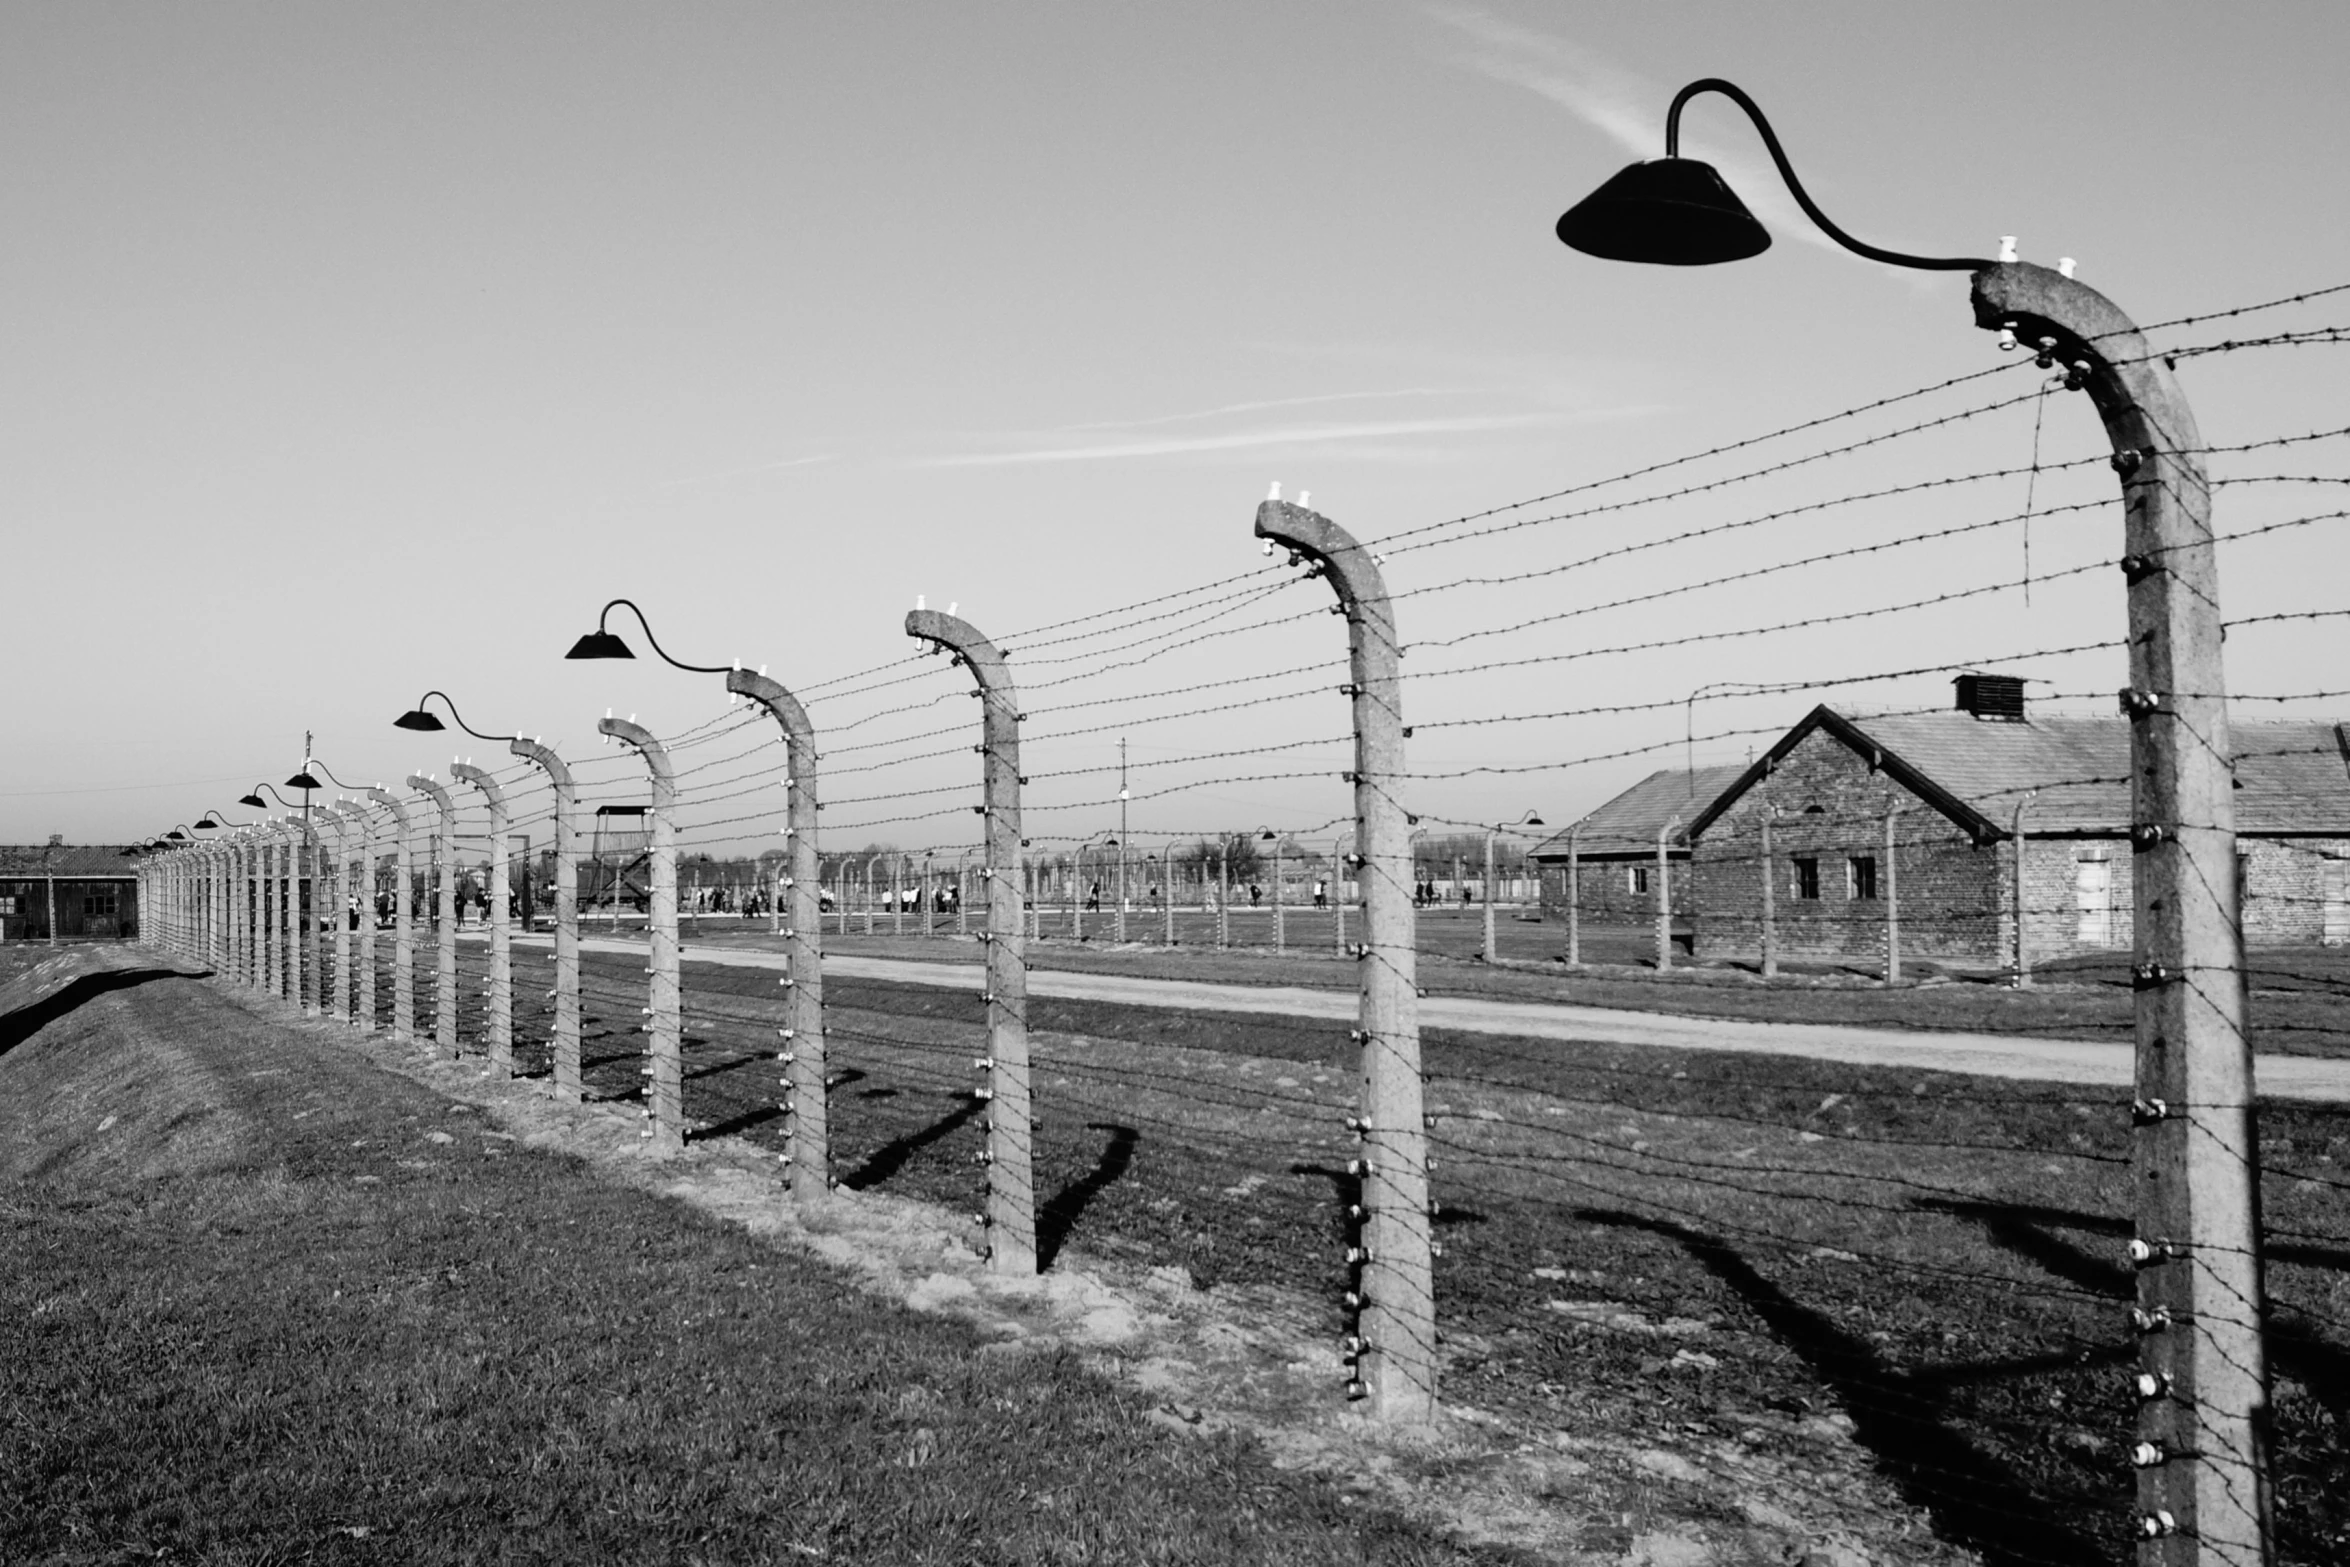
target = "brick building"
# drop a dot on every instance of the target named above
(1614, 850)
(1926, 805)
(91, 887)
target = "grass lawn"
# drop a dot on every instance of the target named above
(266, 1303)
(1709, 1254)
(1796, 1281)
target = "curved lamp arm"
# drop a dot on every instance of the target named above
(254, 799)
(417, 718)
(603, 644)
(1737, 95)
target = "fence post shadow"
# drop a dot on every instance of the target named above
(1058, 1217)
(891, 1157)
(1973, 1498)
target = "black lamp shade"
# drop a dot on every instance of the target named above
(176, 836)
(1533, 820)
(597, 644)
(1674, 212)
(206, 825)
(418, 718)
(304, 780)
(254, 800)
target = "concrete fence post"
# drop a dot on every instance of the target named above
(313, 934)
(232, 859)
(501, 987)
(1491, 953)
(333, 997)
(806, 1078)
(444, 852)
(1010, 1216)
(1892, 895)
(565, 1041)
(2203, 1461)
(1280, 909)
(1770, 894)
(403, 924)
(2019, 905)
(1167, 891)
(265, 913)
(358, 900)
(1575, 896)
(1394, 1346)
(251, 862)
(297, 936)
(1664, 893)
(665, 1067)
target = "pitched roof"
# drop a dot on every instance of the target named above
(21, 861)
(2292, 775)
(1628, 823)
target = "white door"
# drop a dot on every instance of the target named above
(2337, 891)
(2093, 902)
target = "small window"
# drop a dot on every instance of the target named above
(1807, 878)
(1637, 879)
(1860, 878)
(8, 905)
(98, 904)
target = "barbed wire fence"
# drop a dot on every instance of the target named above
(1698, 1245)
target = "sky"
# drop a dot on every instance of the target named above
(350, 351)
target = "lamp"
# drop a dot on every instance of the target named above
(1679, 212)
(254, 799)
(600, 643)
(417, 718)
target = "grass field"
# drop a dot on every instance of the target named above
(1795, 1280)
(1707, 1251)
(266, 1303)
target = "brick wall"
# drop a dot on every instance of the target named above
(2286, 883)
(1606, 892)
(1831, 810)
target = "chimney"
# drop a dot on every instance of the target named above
(1999, 698)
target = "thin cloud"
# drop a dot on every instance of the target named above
(1275, 402)
(1626, 107)
(1239, 440)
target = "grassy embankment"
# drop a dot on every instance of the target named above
(267, 1303)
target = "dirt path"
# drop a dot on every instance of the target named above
(1982, 1055)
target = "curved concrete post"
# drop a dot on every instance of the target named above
(221, 859)
(300, 954)
(312, 850)
(1575, 896)
(2019, 904)
(806, 1118)
(326, 906)
(403, 925)
(354, 944)
(1492, 952)
(501, 1023)
(233, 897)
(665, 1070)
(1664, 893)
(1395, 1342)
(2204, 1465)
(445, 1004)
(1011, 1182)
(565, 1043)
(265, 901)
